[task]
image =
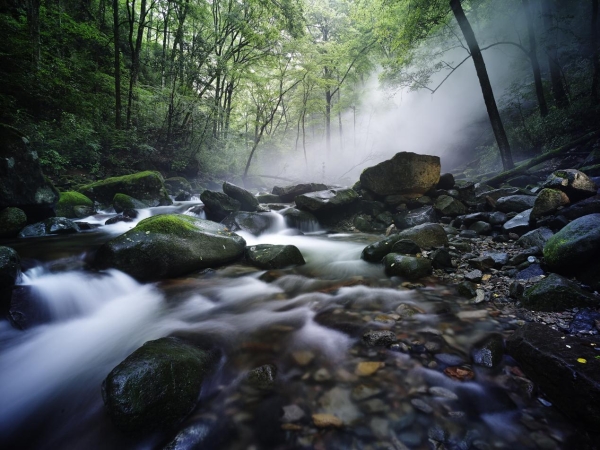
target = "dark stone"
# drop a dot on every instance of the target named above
(549, 358)
(535, 238)
(22, 183)
(348, 323)
(267, 256)
(363, 223)
(372, 208)
(263, 377)
(426, 236)
(247, 201)
(468, 234)
(156, 386)
(470, 219)
(534, 270)
(407, 267)
(175, 185)
(547, 202)
(205, 433)
(287, 194)
(446, 181)
(489, 351)
(302, 220)
(325, 201)
(467, 289)
(183, 196)
(577, 185)
(474, 276)
(405, 247)
(493, 195)
(269, 198)
(122, 202)
(10, 269)
(519, 224)
(414, 217)
(516, 290)
(53, 225)
(385, 218)
(500, 259)
(12, 220)
(440, 259)
(449, 206)
(515, 203)
(118, 218)
(218, 205)
(251, 222)
(583, 208)
(555, 293)
(379, 338)
(522, 181)
(521, 257)
(482, 262)
(405, 173)
(497, 218)
(481, 228)
(585, 320)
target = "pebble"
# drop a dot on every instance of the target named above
(303, 357)
(467, 315)
(322, 375)
(368, 368)
(292, 413)
(327, 421)
(439, 391)
(421, 405)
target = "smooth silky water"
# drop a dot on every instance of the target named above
(88, 322)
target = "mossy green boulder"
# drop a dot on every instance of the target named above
(145, 186)
(157, 385)
(12, 220)
(556, 293)
(175, 185)
(122, 202)
(267, 256)
(69, 200)
(170, 245)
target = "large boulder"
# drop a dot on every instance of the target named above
(247, 201)
(12, 220)
(123, 202)
(577, 185)
(53, 225)
(218, 205)
(427, 235)
(555, 293)
(67, 203)
(582, 208)
(449, 206)
(146, 186)
(251, 222)
(175, 185)
(515, 203)
(406, 173)
(566, 369)
(407, 267)
(157, 385)
(518, 224)
(267, 256)
(22, 183)
(289, 193)
(170, 245)
(413, 217)
(536, 238)
(547, 202)
(323, 201)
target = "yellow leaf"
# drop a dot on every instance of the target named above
(581, 360)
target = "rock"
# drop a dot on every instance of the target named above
(338, 402)
(379, 338)
(426, 236)
(548, 201)
(170, 245)
(218, 205)
(269, 198)
(10, 270)
(535, 238)
(203, 433)
(406, 173)
(533, 271)
(489, 351)
(247, 201)
(500, 259)
(468, 234)
(469, 219)
(474, 276)
(406, 266)
(467, 289)
(250, 222)
(12, 220)
(118, 218)
(413, 217)
(585, 320)
(302, 220)
(292, 413)
(263, 377)
(440, 259)
(555, 293)
(368, 368)
(583, 208)
(497, 218)
(53, 225)
(175, 185)
(577, 185)
(519, 224)
(405, 247)
(156, 386)
(481, 227)
(324, 201)
(287, 194)
(183, 196)
(267, 256)
(122, 202)
(449, 206)
(446, 181)
(22, 183)
(146, 186)
(493, 195)
(327, 421)
(554, 362)
(515, 203)
(67, 203)
(484, 262)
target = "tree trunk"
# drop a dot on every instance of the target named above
(328, 119)
(116, 38)
(558, 90)
(535, 64)
(136, 49)
(484, 81)
(33, 23)
(595, 53)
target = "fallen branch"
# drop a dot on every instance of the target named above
(539, 159)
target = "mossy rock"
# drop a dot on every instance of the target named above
(170, 245)
(218, 205)
(53, 225)
(157, 385)
(267, 256)
(122, 202)
(176, 184)
(555, 293)
(407, 267)
(67, 202)
(12, 220)
(146, 186)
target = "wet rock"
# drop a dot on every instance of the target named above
(156, 386)
(523, 256)
(183, 196)
(494, 195)
(302, 220)
(170, 245)
(534, 270)
(577, 185)
(218, 205)
(421, 405)
(515, 203)
(482, 262)
(440, 259)
(12, 220)
(368, 368)
(449, 206)
(327, 421)
(548, 201)
(468, 234)
(565, 368)
(69, 201)
(500, 258)
(174, 185)
(467, 289)
(405, 247)
(446, 181)
(53, 225)
(345, 322)
(516, 290)
(379, 338)
(555, 293)
(535, 238)
(413, 217)
(250, 222)
(364, 223)
(337, 402)
(269, 198)
(263, 377)
(322, 201)
(287, 194)
(426, 236)
(585, 321)
(489, 351)
(267, 256)
(407, 267)
(247, 201)
(10, 270)
(203, 433)
(118, 218)
(146, 186)
(519, 224)
(497, 218)
(363, 392)
(474, 276)
(405, 173)
(481, 227)
(583, 208)
(122, 202)
(292, 413)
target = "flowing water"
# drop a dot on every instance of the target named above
(307, 321)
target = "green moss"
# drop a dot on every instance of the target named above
(133, 178)
(73, 198)
(175, 224)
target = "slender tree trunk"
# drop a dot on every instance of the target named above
(558, 90)
(341, 130)
(595, 53)
(328, 97)
(33, 23)
(535, 64)
(116, 38)
(484, 81)
(163, 67)
(136, 48)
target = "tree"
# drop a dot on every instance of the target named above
(558, 90)
(535, 64)
(595, 53)
(117, 64)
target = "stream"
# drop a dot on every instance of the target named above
(306, 321)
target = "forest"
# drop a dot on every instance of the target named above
(230, 89)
